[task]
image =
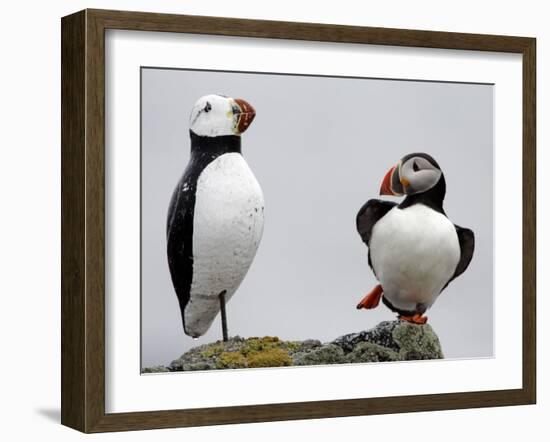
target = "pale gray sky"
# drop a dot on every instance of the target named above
(319, 148)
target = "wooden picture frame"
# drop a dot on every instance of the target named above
(83, 220)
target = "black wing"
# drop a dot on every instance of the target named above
(179, 240)
(466, 240)
(368, 216)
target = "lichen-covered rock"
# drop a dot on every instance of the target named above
(371, 352)
(417, 342)
(309, 344)
(382, 335)
(323, 354)
(156, 369)
(197, 366)
(392, 341)
(388, 341)
(237, 352)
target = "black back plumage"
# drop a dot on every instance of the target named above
(179, 222)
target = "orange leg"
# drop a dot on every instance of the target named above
(372, 299)
(415, 319)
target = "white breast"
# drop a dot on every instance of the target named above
(414, 253)
(227, 228)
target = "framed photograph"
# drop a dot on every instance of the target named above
(269, 220)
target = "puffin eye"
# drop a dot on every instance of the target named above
(415, 166)
(208, 107)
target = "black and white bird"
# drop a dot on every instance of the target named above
(415, 251)
(216, 214)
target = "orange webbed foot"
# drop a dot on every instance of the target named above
(415, 319)
(372, 299)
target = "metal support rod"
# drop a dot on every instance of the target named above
(224, 316)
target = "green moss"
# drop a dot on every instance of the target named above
(231, 359)
(273, 357)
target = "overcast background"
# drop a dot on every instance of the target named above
(319, 147)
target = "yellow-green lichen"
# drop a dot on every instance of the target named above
(231, 359)
(273, 357)
(254, 352)
(260, 344)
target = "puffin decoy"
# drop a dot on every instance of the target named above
(414, 250)
(216, 213)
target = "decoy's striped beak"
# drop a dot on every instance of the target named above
(244, 113)
(385, 187)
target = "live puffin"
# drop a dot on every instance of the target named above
(216, 214)
(415, 251)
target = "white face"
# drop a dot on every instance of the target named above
(216, 115)
(418, 175)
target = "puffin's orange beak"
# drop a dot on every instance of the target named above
(385, 187)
